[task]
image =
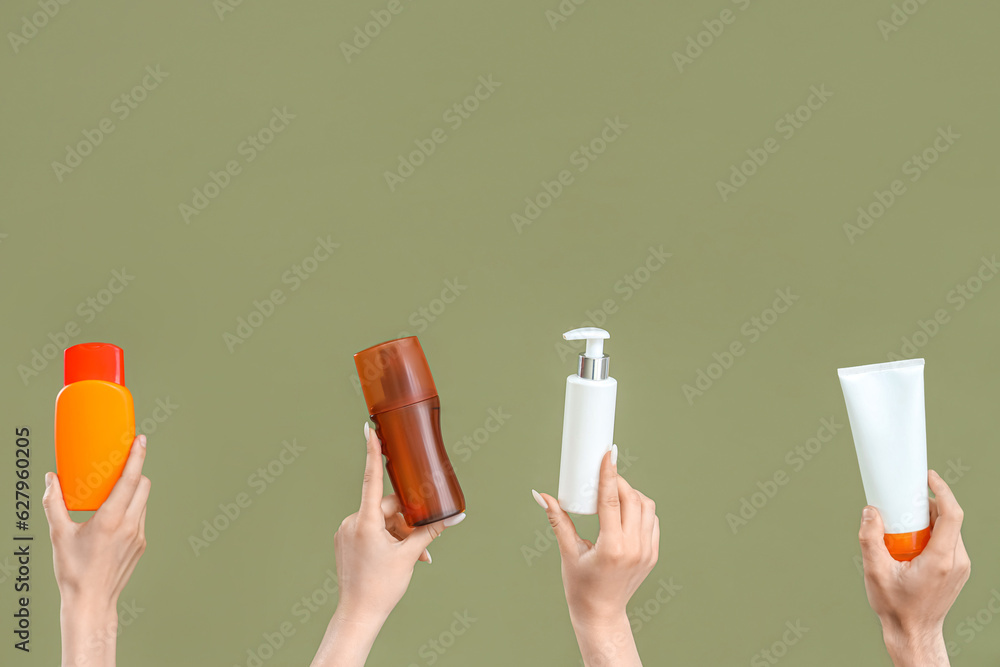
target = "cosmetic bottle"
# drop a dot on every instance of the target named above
(885, 406)
(95, 424)
(588, 423)
(404, 406)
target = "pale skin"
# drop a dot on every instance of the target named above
(600, 578)
(912, 598)
(376, 553)
(94, 560)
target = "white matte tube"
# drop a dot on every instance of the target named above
(588, 433)
(885, 405)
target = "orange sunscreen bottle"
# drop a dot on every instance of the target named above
(95, 424)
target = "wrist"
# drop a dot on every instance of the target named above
(348, 640)
(79, 607)
(358, 618)
(89, 633)
(598, 619)
(605, 639)
(915, 647)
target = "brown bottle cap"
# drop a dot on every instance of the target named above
(394, 374)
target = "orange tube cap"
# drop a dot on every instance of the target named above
(907, 546)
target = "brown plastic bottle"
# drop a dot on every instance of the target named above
(403, 402)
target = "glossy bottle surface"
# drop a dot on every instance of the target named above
(417, 462)
(94, 429)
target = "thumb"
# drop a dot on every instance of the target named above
(872, 538)
(54, 504)
(422, 537)
(562, 525)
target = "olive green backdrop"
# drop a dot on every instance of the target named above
(632, 114)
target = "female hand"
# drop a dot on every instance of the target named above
(913, 597)
(376, 552)
(600, 578)
(94, 560)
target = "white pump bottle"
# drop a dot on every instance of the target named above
(588, 423)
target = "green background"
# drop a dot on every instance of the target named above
(496, 345)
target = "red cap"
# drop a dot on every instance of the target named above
(394, 374)
(94, 361)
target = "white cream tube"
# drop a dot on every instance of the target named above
(885, 405)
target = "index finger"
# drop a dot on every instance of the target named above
(608, 503)
(948, 526)
(371, 487)
(121, 495)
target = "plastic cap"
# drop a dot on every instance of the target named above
(907, 546)
(94, 361)
(394, 374)
(594, 337)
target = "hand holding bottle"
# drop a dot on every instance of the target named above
(376, 552)
(600, 578)
(912, 598)
(94, 560)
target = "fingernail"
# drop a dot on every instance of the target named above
(454, 520)
(142, 441)
(48, 480)
(867, 514)
(539, 499)
(614, 455)
(366, 431)
(428, 554)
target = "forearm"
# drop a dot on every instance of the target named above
(89, 634)
(916, 649)
(346, 642)
(606, 643)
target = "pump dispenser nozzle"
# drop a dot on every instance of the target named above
(593, 363)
